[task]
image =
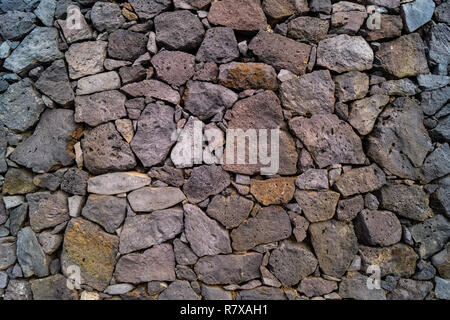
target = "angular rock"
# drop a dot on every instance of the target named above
(18, 290)
(441, 132)
(7, 252)
(47, 209)
(329, 139)
(152, 89)
(301, 227)
(86, 58)
(215, 293)
(442, 289)
(237, 14)
(281, 52)
(361, 180)
(337, 235)
(52, 288)
(308, 29)
(261, 293)
(205, 235)
(179, 290)
(291, 262)
(228, 269)
(243, 76)
(441, 261)
(404, 56)
(398, 260)
(191, 4)
(20, 106)
(183, 253)
(229, 211)
(120, 288)
(317, 206)
(310, 94)
(72, 33)
(279, 9)
(391, 27)
(312, 179)
(204, 100)
(149, 9)
(347, 17)
(150, 199)
(107, 211)
(54, 83)
(402, 87)
(106, 16)
(154, 264)
(75, 181)
(273, 191)
(408, 289)
(132, 74)
(39, 46)
(271, 224)
(407, 201)
(143, 231)
(378, 228)
(352, 85)
(100, 107)
(400, 142)
(18, 181)
(104, 150)
(205, 180)
(219, 45)
(15, 24)
(117, 182)
(437, 164)
(345, 53)
(98, 82)
(431, 235)
(17, 217)
(126, 45)
(174, 67)
(30, 255)
(433, 101)
(168, 174)
(439, 44)
(354, 286)
(49, 242)
(315, 286)
(179, 30)
(417, 13)
(45, 11)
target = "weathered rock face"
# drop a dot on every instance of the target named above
(52, 288)
(431, 235)
(229, 211)
(317, 206)
(361, 180)
(219, 45)
(205, 181)
(86, 58)
(378, 228)
(337, 235)
(54, 83)
(106, 16)
(47, 210)
(363, 113)
(126, 45)
(273, 191)
(354, 286)
(149, 9)
(308, 29)
(242, 76)
(107, 211)
(174, 67)
(237, 14)
(92, 250)
(117, 182)
(149, 199)
(271, 224)
(30, 255)
(408, 289)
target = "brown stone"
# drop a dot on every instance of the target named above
(361, 180)
(317, 206)
(242, 15)
(243, 76)
(273, 191)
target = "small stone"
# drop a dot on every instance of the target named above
(301, 227)
(308, 29)
(309, 94)
(12, 202)
(106, 16)
(50, 242)
(281, 52)
(361, 180)
(111, 64)
(179, 290)
(154, 264)
(371, 202)
(431, 235)
(120, 288)
(125, 128)
(155, 287)
(323, 6)
(30, 255)
(132, 74)
(47, 209)
(417, 13)
(152, 89)
(407, 201)
(149, 9)
(442, 289)
(387, 259)
(279, 9)
(441, 261)
(86, 58)
(352, 85)
(107, 211)
(17, 217)
(237, 14)
(75, 181)
(402, 87)
(18, 181)
(315, 286)
(228, 269)
(183, 253)
(349, 208)
(98, 82)
(104, 150)
(75, 205)
(404, 56)
(312, 179)
(219, 45)
(273, 191)
(126, 45)
(150, 199)
(179, 30)
(345, 53)
(354, 286)
(208, 72)
(436, 165)
(317, 206)
(229, 211)
(243, 76)
(291, 262)
(271, 224)
(118, 182)
(337, 235)
(174, 67)
(442, 12)
(378, 228)
(45, 11)
(426, 271)
(432, 81)
(15, 24)
(168, 174)
(215, 293)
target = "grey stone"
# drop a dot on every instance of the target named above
(75, 205)
(15, 24)
(426, 271)
(378, 228)
(315, 286)
(126, 45)
(361, 180)
(104, 150)
(228, 269)
(347, 17)
(442, 12)
(348, 209)
(179, 290)
(317, 206)
(107, 211)
(156, 263)
(417, 13)
(204, 181)
(337, 235)
(74, 181)
(432, 81)
(143, 231)
(100, 107)
(439, 201)
(3, 280)
(106, 16)
(30, 255)
(400, 142)
(261, 293)
(149, 9)
(352, 85)
(45, 11)
(72, 33)
(301, 227)
(20, 106)
(431, 235)
(49, 242)
(442, 289)
(149, 199)
(152, 89)
(442, 132)
(183, 254)
(329, 139)
(363, 113)
(39, 46)
(437, 164)
(7, 252)
(312, 179)
(204, 100)
(17, 217)
(168, 174)
(308, 29)
(117, 182)
(155, 287)
(401, 87)
(174, 67)
(219, 45)
(98, 82)
(408, 289)
(18, 181)
(354, 286)
(215, 293)
(120, 288)
(242, 16)
(292, 262)
(179, 30)
(47, 209)
(152, 141)
(205, 235)
(433, 101)
(407, 201)
(18, 290)
(86, 58)
(229, 211)
(345, 53)
(271, 224)
(310, 94)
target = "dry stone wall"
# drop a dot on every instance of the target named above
(115, 119)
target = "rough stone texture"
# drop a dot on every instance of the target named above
(315, 286)
(361, 180)
(54, 83)
(47, 209)
(238, 14)
(228, 269)
(107, 211)
(92, 250)
(391, 27)
(441, 261)
(143, 231)
(273, 191)
(281, 52)
(416, 14)
(337, 235)
(312, 179)
(106, 16)
(437, 164)
(310, 94)
(104, 150)
(352, 85)
(354, 286)
(149, 199)
(308, 29)
(408, 289)
(431, 235)
(204, 181)
(98, 82)
(52, 288)
(229, 211)
(378, 228)
(339, 145)
(363, 113)
(317, 206)
(219, 45)
(242, 76)
(179, 290)
(15, 24)
(126, 45)
(345, 53)
(86, 58)
(271, 224)
(174, 67)
(117, 182)
(18, 181)
(278, 9)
